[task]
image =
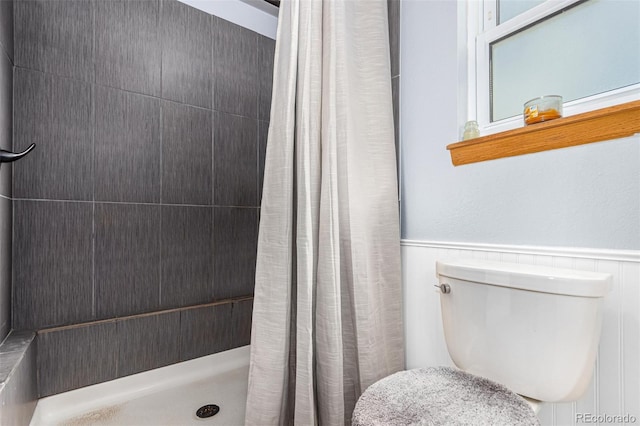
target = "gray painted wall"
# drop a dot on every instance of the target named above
(586, 196)
(136, 216)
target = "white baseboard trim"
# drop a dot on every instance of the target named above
(585, 253)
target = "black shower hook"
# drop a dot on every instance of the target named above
(8, 156)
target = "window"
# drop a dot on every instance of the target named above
(587, 51)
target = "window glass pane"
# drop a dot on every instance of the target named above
(507, 9)
(591, 48)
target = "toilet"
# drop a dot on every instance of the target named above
(519, 335)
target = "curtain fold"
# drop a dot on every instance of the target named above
(327, 318)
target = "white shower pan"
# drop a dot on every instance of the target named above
(165, 396)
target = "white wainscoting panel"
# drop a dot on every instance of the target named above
(615, 387)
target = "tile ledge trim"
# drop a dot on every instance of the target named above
(584, 253)
(145, 314)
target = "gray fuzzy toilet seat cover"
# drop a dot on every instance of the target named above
(440, 396)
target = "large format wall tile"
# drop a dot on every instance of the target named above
(393, 9)
(55, 36)
(205, 331)
(127, 146)
(263, 133)
(395, 96)
(6, 142)
(235, 76)
(6, 224)
(148, 342)
(6, 27)
(70, 358)
(55, 114)
(6, 102)
(128, 52)
(186, 54)
(236, 161)
(235, 245)
(6, 120)
(241, 322)
(127, 260)
(187, 161)
(52, 263)
(187, 255)
(266, 50)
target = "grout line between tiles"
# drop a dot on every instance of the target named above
(213, 211)
(213, 157)
(46, 200)
(146, 95)
(93, 262)
(7, 54)
(93, 41)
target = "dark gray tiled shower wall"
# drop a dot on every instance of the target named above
(139, 207)
(17, 351)
(6, 142)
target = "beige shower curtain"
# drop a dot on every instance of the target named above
(327, 315)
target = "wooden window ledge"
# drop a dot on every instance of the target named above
(607, 123)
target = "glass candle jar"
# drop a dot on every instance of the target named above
(544, 108)
(470, 130)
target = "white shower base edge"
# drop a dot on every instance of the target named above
(164, 396)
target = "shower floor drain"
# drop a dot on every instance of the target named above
(208, 410)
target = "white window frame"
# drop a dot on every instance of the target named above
(481, 30)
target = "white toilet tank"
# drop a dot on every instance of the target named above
(534, 329)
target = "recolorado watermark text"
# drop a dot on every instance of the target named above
(616, 419)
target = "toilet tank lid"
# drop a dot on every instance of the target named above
(527, 277)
